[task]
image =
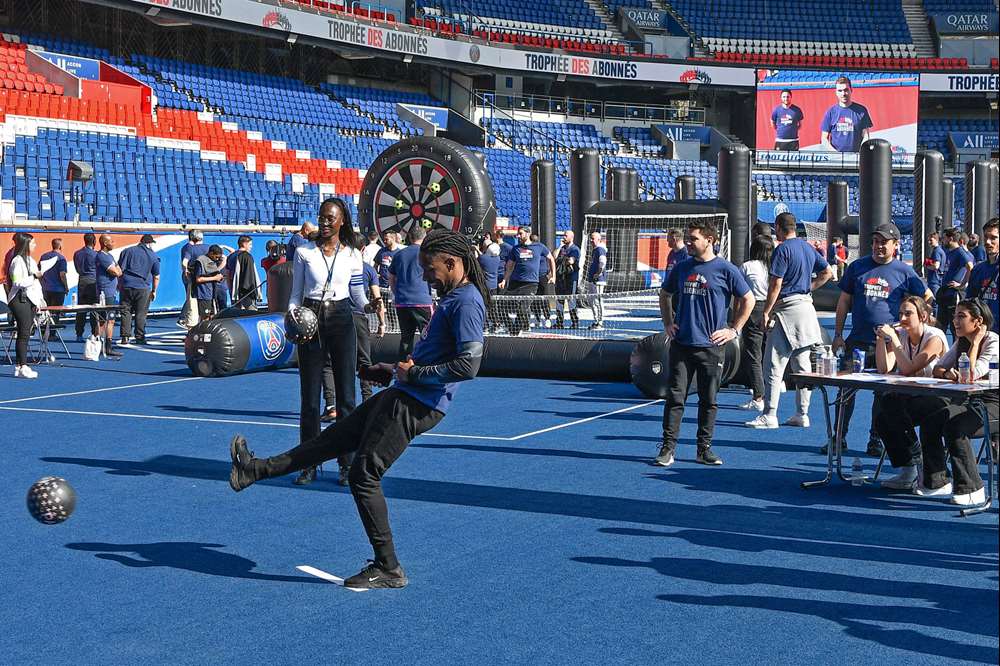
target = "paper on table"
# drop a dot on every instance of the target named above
(48, 263)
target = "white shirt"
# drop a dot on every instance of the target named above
(368, 254)
(23, 278)
(310, 269)
(757, 277)
(910, 351)
(990, 351)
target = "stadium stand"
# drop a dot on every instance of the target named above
(933, 134)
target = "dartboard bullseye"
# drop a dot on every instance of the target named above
(427, 182)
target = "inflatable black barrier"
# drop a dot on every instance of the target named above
(650, 359)
(221, 347)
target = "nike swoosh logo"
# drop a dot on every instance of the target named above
(372, 580)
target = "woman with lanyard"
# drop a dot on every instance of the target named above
(321, 281)
(24, 299)
(910, 349)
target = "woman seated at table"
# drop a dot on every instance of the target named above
(911, 349)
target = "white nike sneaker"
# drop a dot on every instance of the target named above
(763, 422)
(905, 480)
(798, 421)
(970, 499)
(942, 492)
(25, 372)
(754, 405)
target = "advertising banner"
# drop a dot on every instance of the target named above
(404, 41)
(968, 24)
(834, 113)
(960, 83)
(83, 68)
(970, 142)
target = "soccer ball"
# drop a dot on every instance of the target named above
(435, 188)
(400, 204)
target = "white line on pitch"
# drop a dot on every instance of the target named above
(148, 416)
(149, 350)
(100, 390)
(319, 573)
(586, 420)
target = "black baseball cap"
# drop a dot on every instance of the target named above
(887, 231)
(146, 239)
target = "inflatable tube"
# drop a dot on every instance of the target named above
(539, 358)
(734, 193)
(825, 298)
(650, 359)
(684, 188)
(837, 193)
(980, 195)
(928, 174)
(279, 287)
(615, 184)
(875, 190)
(584, 186)
(631, 185)
(222, 347)
(947, 204)
(543, 201)
(427, 181)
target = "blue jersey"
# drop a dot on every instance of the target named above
(786, 122)
(527, 262)
(877, 290)
(365, 279)
(411, 289)
(846, 126)
(383, 260)
(192, 251)
(139, 264)
(458, 319)
(85, 262)
(983, 285)
(491, 267)
(958, 265)
(701, 290)
(795, 261)
(205, 291)
(597, 271)
(107, 284)
(50, 278)
(294, 243)
(978, 253)
(934, 275)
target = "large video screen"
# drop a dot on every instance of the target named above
(835, 112)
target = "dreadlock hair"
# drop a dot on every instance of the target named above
(442, 241)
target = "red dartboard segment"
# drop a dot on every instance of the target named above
(406, 196)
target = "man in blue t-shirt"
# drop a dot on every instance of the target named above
(489, 260)
(107, 272)
(379, 430)
(383, 260)
(786, 120)
(206, 276)
(845, 125)
(85, 263)
(790, 319)
(193, 249)
(521, 276)
(540, 309)
(597, 278)
(959, 263)
(54, 285)
(140, 279)
(703, 285)
(371, 303)
(411, 295)
(983, 279)
(935, 263)
(871, 291)
(301, 237)
(567, 278)
(976, 249)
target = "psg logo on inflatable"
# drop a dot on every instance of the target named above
(272, 340)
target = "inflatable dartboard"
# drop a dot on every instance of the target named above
(429, 182)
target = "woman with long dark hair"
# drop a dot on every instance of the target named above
(24, 299)
(757, 272)
(322, 272)
(381, 429)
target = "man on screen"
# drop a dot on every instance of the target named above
(786, 119)
(845, 125)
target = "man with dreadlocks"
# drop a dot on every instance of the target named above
(378, 431)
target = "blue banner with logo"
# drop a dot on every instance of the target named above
(84, 68)
(431, 114)
(268, 346)
(699, 133)
(967, 23)
(972, 142)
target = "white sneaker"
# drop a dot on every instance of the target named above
(905, 480)
(763, 422)
(25, 372)
(970, 499)
(798, 421)
(784, 389)
(755, 405)
(943, 491)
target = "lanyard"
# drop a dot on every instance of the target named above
(909, 347)
(329, 270)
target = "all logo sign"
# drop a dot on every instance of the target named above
(272, 339)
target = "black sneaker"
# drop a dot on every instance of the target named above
(875, 447)
(665, 458)
(345, 473)
(242, 473)
(708, 457)
(373, 576)
(307, 476)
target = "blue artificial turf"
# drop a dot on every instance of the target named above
(558, 547)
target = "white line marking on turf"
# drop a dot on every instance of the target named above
(100, 390)
(149, 350)
(319, 573)
(148, 416)
(586, 420)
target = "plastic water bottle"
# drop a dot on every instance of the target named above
(840, 359)
(829, 363)
(74, 298)
(100, 300)
(994, 374)
(964, 369)
(857, 473)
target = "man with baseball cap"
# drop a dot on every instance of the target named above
(140, 278)
(871, 290)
